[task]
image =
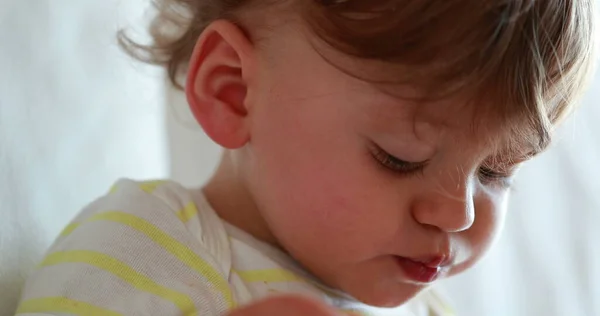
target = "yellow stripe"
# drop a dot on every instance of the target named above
(113, 189)
(177, 249)
(351, 312)
(187, 212)
(280, 275)
(147, 187)
(62, 305)
(69, 229)
(440, 303)
(270, 275)
(150, 186)
(126, 273)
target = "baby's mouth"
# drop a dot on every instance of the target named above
(424, 270)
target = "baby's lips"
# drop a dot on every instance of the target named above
(435, 261)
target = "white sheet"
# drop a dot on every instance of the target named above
(75, 114)
(71, 104)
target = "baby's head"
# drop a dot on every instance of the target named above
(374, 140)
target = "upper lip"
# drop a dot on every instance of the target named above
(435, 261)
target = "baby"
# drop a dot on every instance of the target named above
(369, 150)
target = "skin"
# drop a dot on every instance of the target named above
(299, 170)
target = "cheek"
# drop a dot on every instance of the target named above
(315, 186)
(486, 229)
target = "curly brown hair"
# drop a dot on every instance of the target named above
(530, 57)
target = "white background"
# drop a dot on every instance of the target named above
(75, 115)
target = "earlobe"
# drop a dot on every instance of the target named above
(216, 86)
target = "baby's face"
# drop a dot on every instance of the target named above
(374, 195)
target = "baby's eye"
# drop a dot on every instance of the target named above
(396, 164)
(489, 176)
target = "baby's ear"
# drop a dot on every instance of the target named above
(216, 86)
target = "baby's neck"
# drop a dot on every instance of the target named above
(229, 196)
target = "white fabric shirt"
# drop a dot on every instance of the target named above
(157, 248)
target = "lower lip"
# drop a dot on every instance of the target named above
(417, 271)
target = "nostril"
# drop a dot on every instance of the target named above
(449, 216)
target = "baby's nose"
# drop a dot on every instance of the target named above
(450, 211)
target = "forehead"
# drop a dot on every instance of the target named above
(318, 70)
(402, 102)
(360, 81)
(460, 123)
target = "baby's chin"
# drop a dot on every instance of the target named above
(388, 296)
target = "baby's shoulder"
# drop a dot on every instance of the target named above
(153, 208)
(149, 196)
(154, 200)
(142, 248)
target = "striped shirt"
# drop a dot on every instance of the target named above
(157, 248)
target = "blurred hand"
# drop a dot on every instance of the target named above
(286, 306)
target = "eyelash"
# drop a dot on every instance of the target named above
(487, 176)
(397, 165)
